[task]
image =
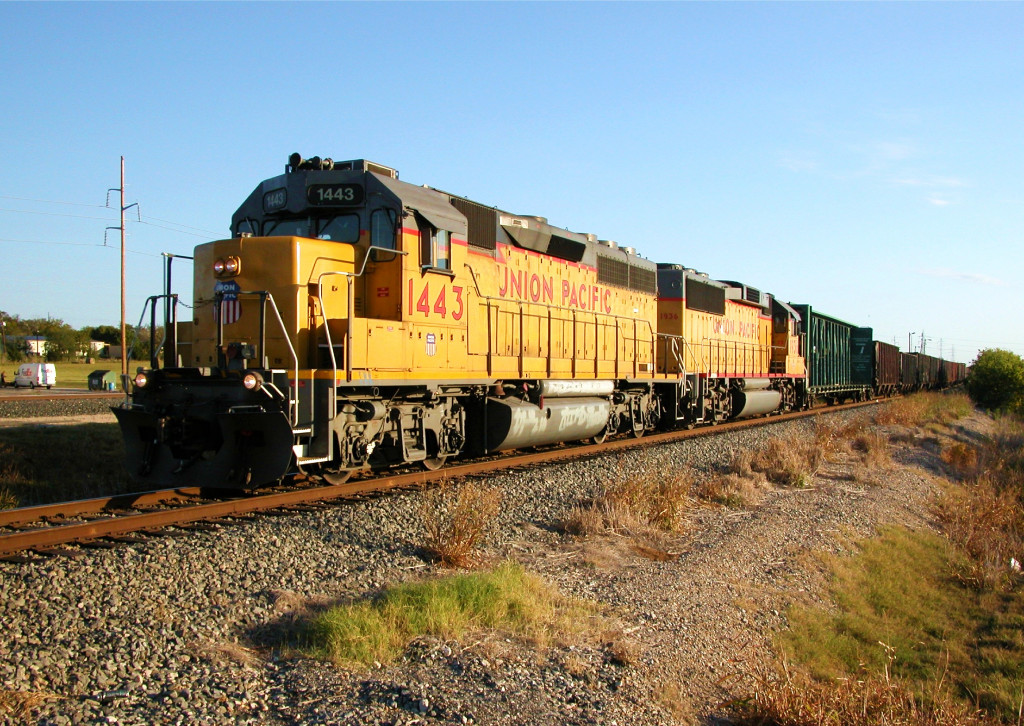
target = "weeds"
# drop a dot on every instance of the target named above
(869, 699)
(506, 599)
(20, 704)
(922, 409)
(7, 499)
(900, 612)
(984, 517)
(634, 506)
(732, 489)
(44, 464)
(874, 448)
(457, 520)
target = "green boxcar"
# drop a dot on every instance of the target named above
(839, 356)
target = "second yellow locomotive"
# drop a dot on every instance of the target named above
(356, 321)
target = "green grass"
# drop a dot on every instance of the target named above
(506, 599)
(900, 611)
(43, 464)
(72, 375)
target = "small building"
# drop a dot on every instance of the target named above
(102, 380)
(35, 345)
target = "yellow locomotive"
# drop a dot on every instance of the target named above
(357, 321)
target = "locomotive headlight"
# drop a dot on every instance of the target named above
(252, 381)
(232, 266)
(141, 379)
(218, 267)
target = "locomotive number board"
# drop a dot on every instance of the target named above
(334, 195)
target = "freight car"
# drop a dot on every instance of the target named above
(355, 321)
(886, 369)
(838, 355)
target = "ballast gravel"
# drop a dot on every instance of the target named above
(188, 628)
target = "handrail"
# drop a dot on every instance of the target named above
(488, 299)
(154, 349)
(265, 296)
(349, 277)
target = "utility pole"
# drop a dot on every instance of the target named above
(910, 342)
(124, 330)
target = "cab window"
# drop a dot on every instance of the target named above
(382, 228)
(286, 228)
(435, 245)
(247, 226)
(343, 228)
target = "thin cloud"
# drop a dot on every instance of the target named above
(974, 277)
(943, 182)
(798, 164)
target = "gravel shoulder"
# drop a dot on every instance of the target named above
(187, 629)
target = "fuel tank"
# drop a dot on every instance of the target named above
(754, 403)
(513, 423)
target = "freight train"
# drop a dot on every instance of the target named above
(353, 321)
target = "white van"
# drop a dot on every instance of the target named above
(30, 375)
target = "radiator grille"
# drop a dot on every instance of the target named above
(612, 272)
(482, 222)
(704, 297)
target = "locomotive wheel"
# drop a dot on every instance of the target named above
(336, 478)
(434, 463)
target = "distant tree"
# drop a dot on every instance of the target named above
(107, 333)
(14, 350)
(64, 343)
(996, 380)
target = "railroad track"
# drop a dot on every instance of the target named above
(130, 518)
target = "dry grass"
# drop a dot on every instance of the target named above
(984, 516)
(634, 506)
(874, 449)
(733, 489)
(985, 521)
(671, 698)
(795, 699)
(35, 462)
(962, 459)
(922, 409)
(457, 520)
(221, 654)
(7, 499)
(18, 705)
(621, 649)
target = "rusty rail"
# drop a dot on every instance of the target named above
(119, 524)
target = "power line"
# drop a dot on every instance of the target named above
(53, 201)
(178, 224)
(73, 244)
(205, 232)
(207, 235)
(53, 214)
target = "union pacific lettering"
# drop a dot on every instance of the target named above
(739, 329)
(531, 287)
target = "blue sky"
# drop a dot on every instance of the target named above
(865, 158)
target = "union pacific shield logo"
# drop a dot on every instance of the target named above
(230, 306)
(431, 344)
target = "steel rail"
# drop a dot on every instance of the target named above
(84, 507)
(128, 523)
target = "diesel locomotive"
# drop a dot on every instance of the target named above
(354, 321)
